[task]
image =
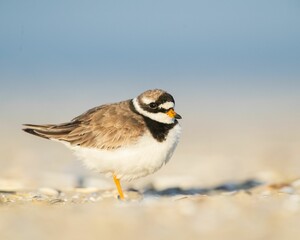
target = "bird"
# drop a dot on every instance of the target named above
(125, 140)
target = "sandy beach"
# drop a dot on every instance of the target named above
(244, 210)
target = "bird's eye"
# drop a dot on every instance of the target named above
(153, 105)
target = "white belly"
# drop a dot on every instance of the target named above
(131, 162)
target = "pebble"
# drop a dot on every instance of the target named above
(48, 191)
(296, 183)
(287, 189)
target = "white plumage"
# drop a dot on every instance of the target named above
(131, 162)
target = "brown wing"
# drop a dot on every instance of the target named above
(105, 127)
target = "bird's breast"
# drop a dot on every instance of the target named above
(144, 157)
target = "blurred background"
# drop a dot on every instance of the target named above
(232, 66)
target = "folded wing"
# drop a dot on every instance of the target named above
(105, 127)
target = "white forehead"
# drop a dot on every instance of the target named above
(166, 105)
(147, 100)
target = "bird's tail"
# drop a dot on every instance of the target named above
(49, 131)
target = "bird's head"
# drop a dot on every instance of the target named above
(157, 105)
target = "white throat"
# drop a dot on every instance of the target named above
(159, 117)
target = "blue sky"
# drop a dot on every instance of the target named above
(149, 37)
(101, 49)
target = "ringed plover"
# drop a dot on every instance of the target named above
(126, 140)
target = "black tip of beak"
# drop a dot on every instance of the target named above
(177, 116)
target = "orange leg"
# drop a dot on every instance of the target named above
(118, 185)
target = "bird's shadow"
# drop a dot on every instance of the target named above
(225, 187)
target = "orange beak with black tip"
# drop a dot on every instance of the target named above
(171, 113)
